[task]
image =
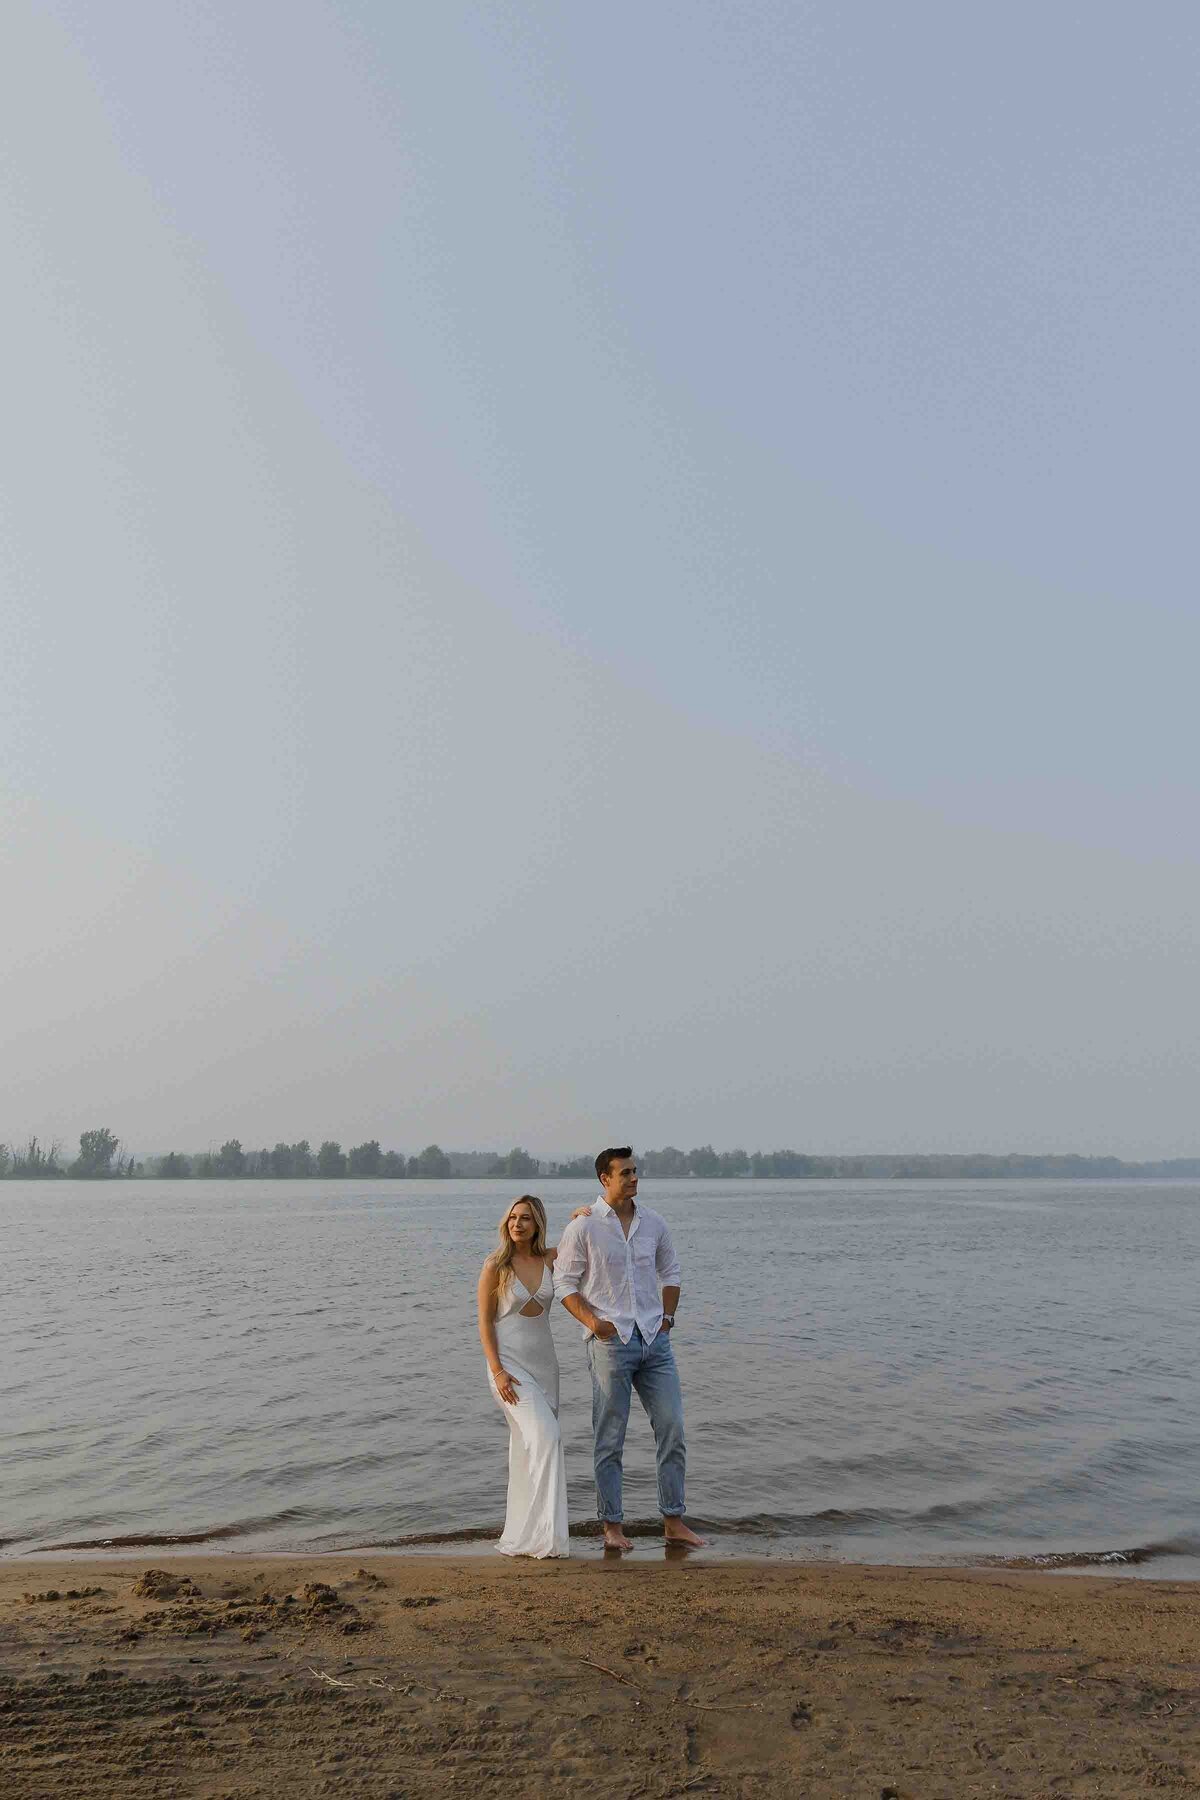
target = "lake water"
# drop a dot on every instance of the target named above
(875, 1371)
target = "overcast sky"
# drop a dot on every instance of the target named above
(586, 572)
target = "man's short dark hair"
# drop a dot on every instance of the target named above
(607, 1158)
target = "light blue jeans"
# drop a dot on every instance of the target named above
(617, 1369)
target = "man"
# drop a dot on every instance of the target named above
(612, 1258)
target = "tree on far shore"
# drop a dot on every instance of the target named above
(95, 1160)
(304, 1163)
(577, 1168)
(281, 1162)
(518, 1164)
(230, 1159)
(331, 1160)
(366, 1159)
(35, 1164)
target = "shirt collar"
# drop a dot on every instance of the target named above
(601, 1208)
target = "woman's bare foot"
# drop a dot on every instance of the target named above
(676, 1532)
(614, 1537)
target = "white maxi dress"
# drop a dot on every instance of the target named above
(535, 1523)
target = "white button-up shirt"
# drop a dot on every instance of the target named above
(621, 1278)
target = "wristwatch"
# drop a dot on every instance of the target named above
(669, 1319)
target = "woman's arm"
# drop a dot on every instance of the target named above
(506, 1384)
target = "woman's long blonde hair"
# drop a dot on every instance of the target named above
(502, 1257)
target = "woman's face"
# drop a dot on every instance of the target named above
(522, 1225)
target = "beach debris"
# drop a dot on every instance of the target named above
(318, 1596)
(314, 1607)
(161, 1584)
(324, 1675)
(411, 1600)
(671, 1699)
(370, 1577)
(604, 1670)
(70, 1594)
(390, 1687)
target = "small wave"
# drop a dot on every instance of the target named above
(1095, 1559)
(581, 1528)
(147, 1539)
(482, 1534)
(472, 1534)
(755, 1525)
(796, 1530)
(815, 1525)
(152, 1539)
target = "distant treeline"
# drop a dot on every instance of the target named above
(706, 1163)
(101, 1158)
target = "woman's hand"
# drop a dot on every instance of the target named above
(506, 1386)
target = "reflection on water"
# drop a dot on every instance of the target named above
(886, 1370)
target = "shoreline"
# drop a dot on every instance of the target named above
(384, 1673)
(486, 1554)
(1134, 1565)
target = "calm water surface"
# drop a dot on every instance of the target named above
(892, 1371)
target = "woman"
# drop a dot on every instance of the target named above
(516, 1291)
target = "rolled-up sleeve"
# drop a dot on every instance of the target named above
(665, 1260)
(569, 1263)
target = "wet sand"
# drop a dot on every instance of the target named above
(281, 1677)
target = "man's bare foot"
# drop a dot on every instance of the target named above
(615, 1539)
(676, 1532)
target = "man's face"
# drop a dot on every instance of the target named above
(621, 1182)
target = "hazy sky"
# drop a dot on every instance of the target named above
(574, 572)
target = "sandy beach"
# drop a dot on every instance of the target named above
(229, 1676)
